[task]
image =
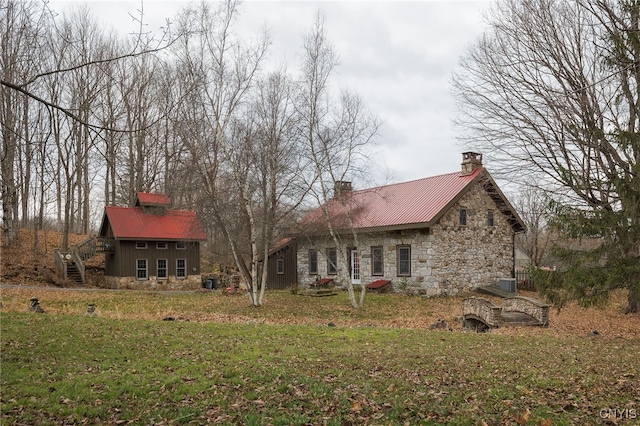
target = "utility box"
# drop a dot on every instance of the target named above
(507, 284)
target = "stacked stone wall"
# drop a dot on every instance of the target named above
(191, 282)
(466, 257)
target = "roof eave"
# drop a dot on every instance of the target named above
(366, 230)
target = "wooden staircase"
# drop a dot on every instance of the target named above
(74, 274)
(71, 263)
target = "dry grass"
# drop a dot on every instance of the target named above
(393, 311)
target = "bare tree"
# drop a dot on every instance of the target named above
(533, 207)
(23, 27)
(277, 167)
(57, 63)
(223, 70)
(337, 135)
(551, 93)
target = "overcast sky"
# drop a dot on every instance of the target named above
(398, 55)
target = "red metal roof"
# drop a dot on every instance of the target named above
(416, 202)
(130, 223)
(148, 199)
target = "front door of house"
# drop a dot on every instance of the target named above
(355, 267)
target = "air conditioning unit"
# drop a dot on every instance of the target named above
(507, 284)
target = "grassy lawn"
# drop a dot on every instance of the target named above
(282, 364)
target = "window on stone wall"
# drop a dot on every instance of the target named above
(377, 261)
(280, 266)
(404, 261)
(489, 217)
(332, 261)
(463, 217)
(313, 262)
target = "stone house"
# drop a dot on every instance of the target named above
(432, 236)
(150, 246)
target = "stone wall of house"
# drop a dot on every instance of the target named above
(466, 257)
(191, 282)
(445, 260)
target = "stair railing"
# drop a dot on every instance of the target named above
(78, 254)
(61, 263)
(86, 249)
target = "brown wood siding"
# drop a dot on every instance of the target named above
(123, 262)
(290, 276)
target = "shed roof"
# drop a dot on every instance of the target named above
(414, 204)
(132, 223)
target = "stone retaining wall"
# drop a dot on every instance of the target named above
(191, 282)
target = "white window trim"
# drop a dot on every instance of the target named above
(146, 270)
(166, 269)
(278, 263)
(181, 246)
(185, 269)
(166, 245)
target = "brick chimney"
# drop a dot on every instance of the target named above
(471, 161)
(341, 187)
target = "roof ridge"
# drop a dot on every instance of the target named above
(140, 208)
(459, 173)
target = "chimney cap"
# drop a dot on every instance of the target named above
(341, 187)
(470, 156)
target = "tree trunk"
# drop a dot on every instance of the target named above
(633, 301)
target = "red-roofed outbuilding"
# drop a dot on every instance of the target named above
(150, 245)
(437, 235)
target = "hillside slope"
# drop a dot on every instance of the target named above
(27, 263)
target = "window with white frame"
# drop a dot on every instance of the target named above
(280, 266)
(181, 268)
(141, 245)
(162, 269)
(141, 269)
(161, 245)
(181, 246)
